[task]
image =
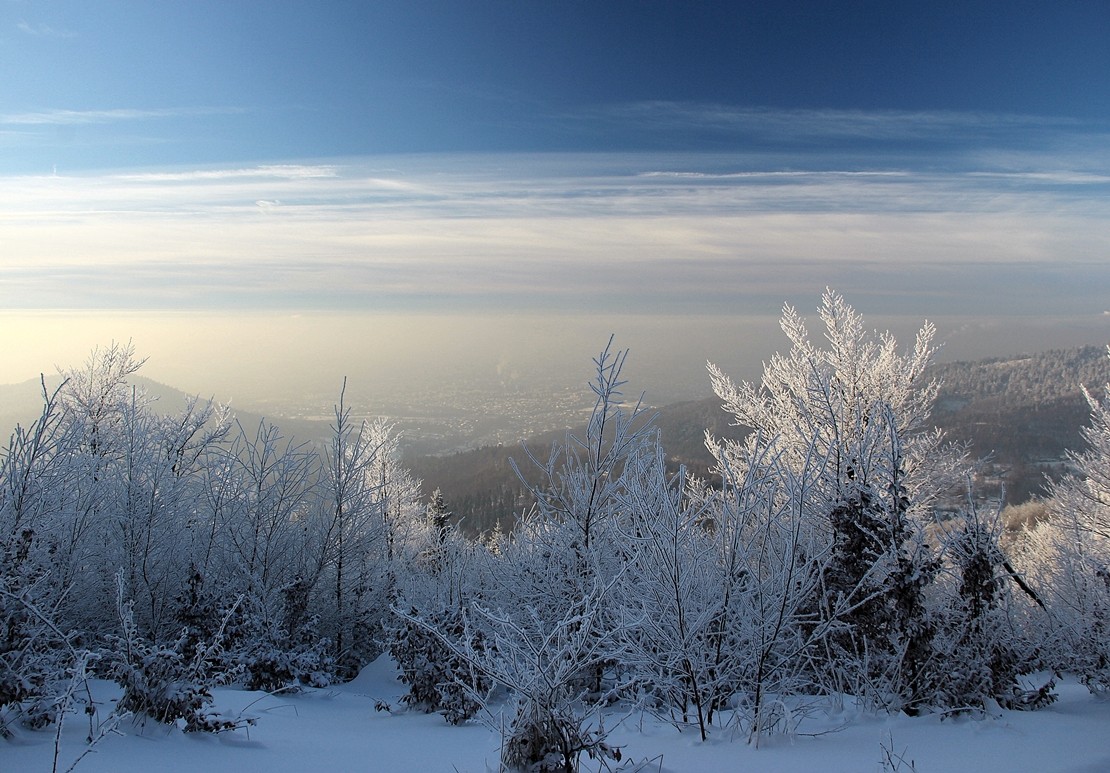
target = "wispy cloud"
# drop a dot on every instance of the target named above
(820, 129)
(1062, 177)
(44, 31)
(62, 117)
(273, 171)
(687, 233)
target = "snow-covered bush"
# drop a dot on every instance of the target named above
(33, 650)
(555, 718)
(440, 678)
(289, 652)
(204, 616)
(162, 682)
(273, 663)
(546, 739)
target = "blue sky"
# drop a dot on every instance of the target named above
(693, 161)
(109, 84)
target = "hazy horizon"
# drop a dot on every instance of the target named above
(260, 359)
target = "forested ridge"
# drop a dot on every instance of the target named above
(810, 565)
(1035, 379)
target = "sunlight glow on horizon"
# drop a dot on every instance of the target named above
(252, 357)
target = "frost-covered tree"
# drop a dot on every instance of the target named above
(34, 650)
(570, 542)
(292, 553)
(351, 529)
(153, 491)
(99, 483)
(137, 484)
(669, 588)
(431, 623)
(439, 517)
(580, 482)
(1067, 558)
(718, 590)
(395, 493)
(542, 616)
(370, 521)
(844, 402)
(773, 562)
(861, 407)
(260, 495)
(95, 397)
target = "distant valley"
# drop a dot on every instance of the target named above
(1021, 412)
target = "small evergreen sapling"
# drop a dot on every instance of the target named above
(289, 654)
(440, 679)
(983, 654)
(164, 683)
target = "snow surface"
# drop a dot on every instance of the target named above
(339, 729)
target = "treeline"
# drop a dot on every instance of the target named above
(174, 553)
(1027, 381)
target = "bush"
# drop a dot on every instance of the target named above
(33, 651)
(292, 654)
(439, 678)
(277, 661)
(551, 738)
(165, 683)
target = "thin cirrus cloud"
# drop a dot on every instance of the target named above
(989, 224)
(63, 117)
(265, 171)
(41, 30)
(786, 127)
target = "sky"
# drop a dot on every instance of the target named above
(265, 197)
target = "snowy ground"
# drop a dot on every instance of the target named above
(338, 729)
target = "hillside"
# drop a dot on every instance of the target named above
(1022, 413)
(482, 489)
(22, 403)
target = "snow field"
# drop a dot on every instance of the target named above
(339, 729)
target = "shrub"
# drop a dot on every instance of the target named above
(165, 683)
(439, 678)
